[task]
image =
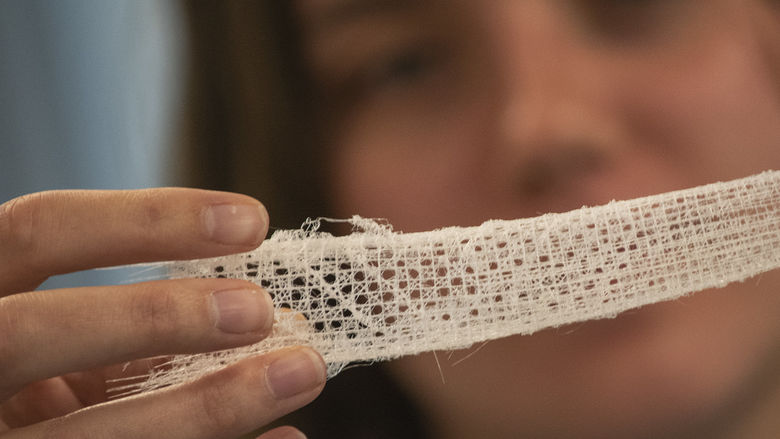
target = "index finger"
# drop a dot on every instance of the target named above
(59, 232)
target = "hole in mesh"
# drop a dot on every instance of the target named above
(414, 274)
(219, 269)
(251, 273)
(390, 320)
(518, 262)
(445, 317)
(299, 281)
(544, 258)
(296, 296)
(319, 326)
(388, 274)
(455, 281)
(359, 276)
(376, 310)
(335, 324)
(280, 271)
(331, 302)
(265, 283)
(361, 299)
(388, 297)
(329, 278)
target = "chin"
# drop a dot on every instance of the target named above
(667, 370)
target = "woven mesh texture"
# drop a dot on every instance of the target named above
(376, 294)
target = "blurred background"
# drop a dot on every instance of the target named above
(88, 98)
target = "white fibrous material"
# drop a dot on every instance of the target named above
(377, 294)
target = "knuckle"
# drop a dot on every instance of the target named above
(216, 403)
(156, 313)
(19, 220)
(152, 209)
(9, 338)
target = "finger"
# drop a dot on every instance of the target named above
(228, 403)
(63, 231)
(285, 432)
(49, 333)
(38, 402)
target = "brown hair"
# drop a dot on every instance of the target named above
(249, 128)
(248, 124)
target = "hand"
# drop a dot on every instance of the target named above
(58, 348)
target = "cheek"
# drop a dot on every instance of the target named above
(706, 106)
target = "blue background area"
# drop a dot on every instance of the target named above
(88, 92)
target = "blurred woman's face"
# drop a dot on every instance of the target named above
(453, 112)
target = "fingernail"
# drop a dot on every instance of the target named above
(235, 224)
(240, 311)
(284, 433)
(296, 372)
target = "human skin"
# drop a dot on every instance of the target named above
(454, 112)
(60, 349)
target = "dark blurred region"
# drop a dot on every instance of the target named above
(249, 127)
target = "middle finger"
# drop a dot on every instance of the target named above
(49, 333)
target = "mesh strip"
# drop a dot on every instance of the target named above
(376, 294)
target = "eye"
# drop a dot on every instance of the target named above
(625, 21)
(403, 68)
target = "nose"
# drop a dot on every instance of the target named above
(553, 126)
